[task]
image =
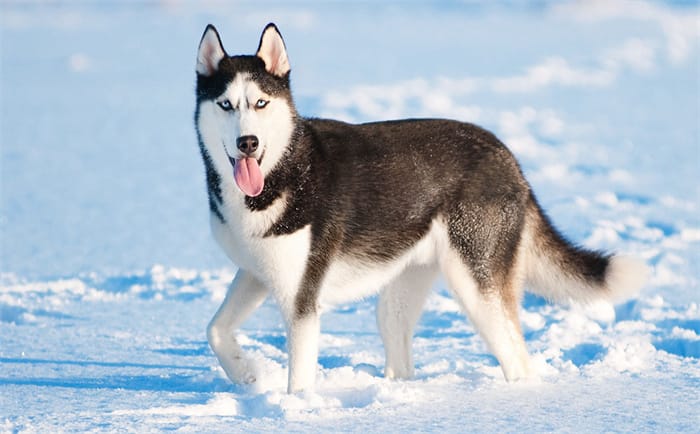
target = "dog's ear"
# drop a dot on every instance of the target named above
(272, 51)
(210, 52)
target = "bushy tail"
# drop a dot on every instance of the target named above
(563, 272)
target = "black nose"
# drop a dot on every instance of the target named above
(247, 144)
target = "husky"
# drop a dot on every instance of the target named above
(316, 212)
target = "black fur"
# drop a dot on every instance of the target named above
(379, 212)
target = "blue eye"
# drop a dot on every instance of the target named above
(261, 104)
(225, 105)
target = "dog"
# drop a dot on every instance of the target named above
(316, 212)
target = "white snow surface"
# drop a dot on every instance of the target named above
(108, 273)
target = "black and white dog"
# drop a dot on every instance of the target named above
(319, 211)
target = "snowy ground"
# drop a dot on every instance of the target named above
(108, 274)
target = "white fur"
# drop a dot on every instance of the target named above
(398, 310)
(244, 296)
(302, 344)
(624, 276)
(279, 261)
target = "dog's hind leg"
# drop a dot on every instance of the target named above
(398, 310)
(244, 296)
(493, 311)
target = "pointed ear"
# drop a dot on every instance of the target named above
(210, 52)
(272, 51)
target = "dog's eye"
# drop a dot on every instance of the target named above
(225, 105)
(261, 104)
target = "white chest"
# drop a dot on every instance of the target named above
(278, 261)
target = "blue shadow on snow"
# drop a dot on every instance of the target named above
(162, 381)
(170, 383)
(679, 347)
(202, 349)
(86, 363)
(585, 353)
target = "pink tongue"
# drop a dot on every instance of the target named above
(248, 176)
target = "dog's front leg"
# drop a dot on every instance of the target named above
(245, 295)
(303, 335)
(303, 321)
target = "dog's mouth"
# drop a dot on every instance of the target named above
(247, 174)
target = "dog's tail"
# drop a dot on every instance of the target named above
(560, 271)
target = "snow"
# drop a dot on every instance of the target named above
(108, 273)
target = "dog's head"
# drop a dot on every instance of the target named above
(245, 115)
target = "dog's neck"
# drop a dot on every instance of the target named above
(290, 175)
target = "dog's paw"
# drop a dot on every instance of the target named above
(247, 378)
(239, 370)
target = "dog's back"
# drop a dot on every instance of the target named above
(385, 183)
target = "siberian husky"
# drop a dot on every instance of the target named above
(317, 211)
